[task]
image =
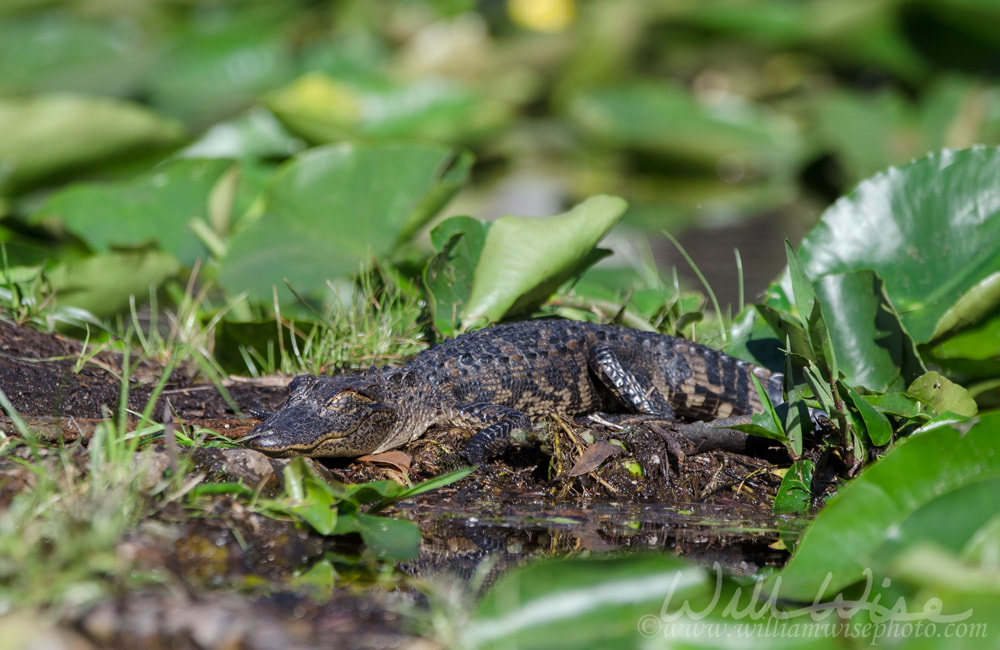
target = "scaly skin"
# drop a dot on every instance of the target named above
(499, 378)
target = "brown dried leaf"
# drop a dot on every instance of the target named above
(593, 456)
(395, 459)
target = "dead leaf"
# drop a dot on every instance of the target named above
(593, 456)
(395, 459)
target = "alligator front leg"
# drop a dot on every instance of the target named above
(500, 422)
(633, 391)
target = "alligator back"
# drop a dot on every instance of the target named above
(547, 366)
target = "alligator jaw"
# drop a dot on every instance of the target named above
(273, 441)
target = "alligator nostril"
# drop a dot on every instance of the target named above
(266, 441)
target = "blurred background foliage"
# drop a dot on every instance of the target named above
(732, 123)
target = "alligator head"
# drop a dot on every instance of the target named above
(326, 416)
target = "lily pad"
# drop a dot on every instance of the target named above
(449, 275)
(871, 346)
(930, 229)
(329, 209)
(95, 52)
(842, 542)
(325, 109)
(525, 259)
(944, 395)
(157, 207)
(255, 134)
(580, 603)
(50, 134)
(222, 61)
(97, 284)
(667, 119)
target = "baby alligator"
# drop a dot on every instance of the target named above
(495, 380)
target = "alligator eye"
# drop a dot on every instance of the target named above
(343, 396)
(337, 399)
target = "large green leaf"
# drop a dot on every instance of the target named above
(642, 601)
(581, 604)
(667, 119)
(973, 352)
(871, 346)
(448, 276)
(525, 259)
(255, 134)
(155, 207)
(843, 540)
(70, 50)
(949, 521)
(99, 285)
(222, 60)
(930, 229)
(324, 109)
(868, 341)
(332, 207)
(942, 394)
(50, 134)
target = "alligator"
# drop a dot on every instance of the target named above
(497, 379)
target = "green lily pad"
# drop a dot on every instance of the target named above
(581, 604)
(50, 134)
(255, 134)
(930, 229)
(950, 521)
(95, 52)
(98, 285)
(524, 259)
(871, 346)
(329, 209)
(325, 109)
(157, 207)
(844, 538)
(222, 60)
(449, 275)
(943, 395)
(666, 119)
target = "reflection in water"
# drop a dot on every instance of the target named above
(491, 537)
